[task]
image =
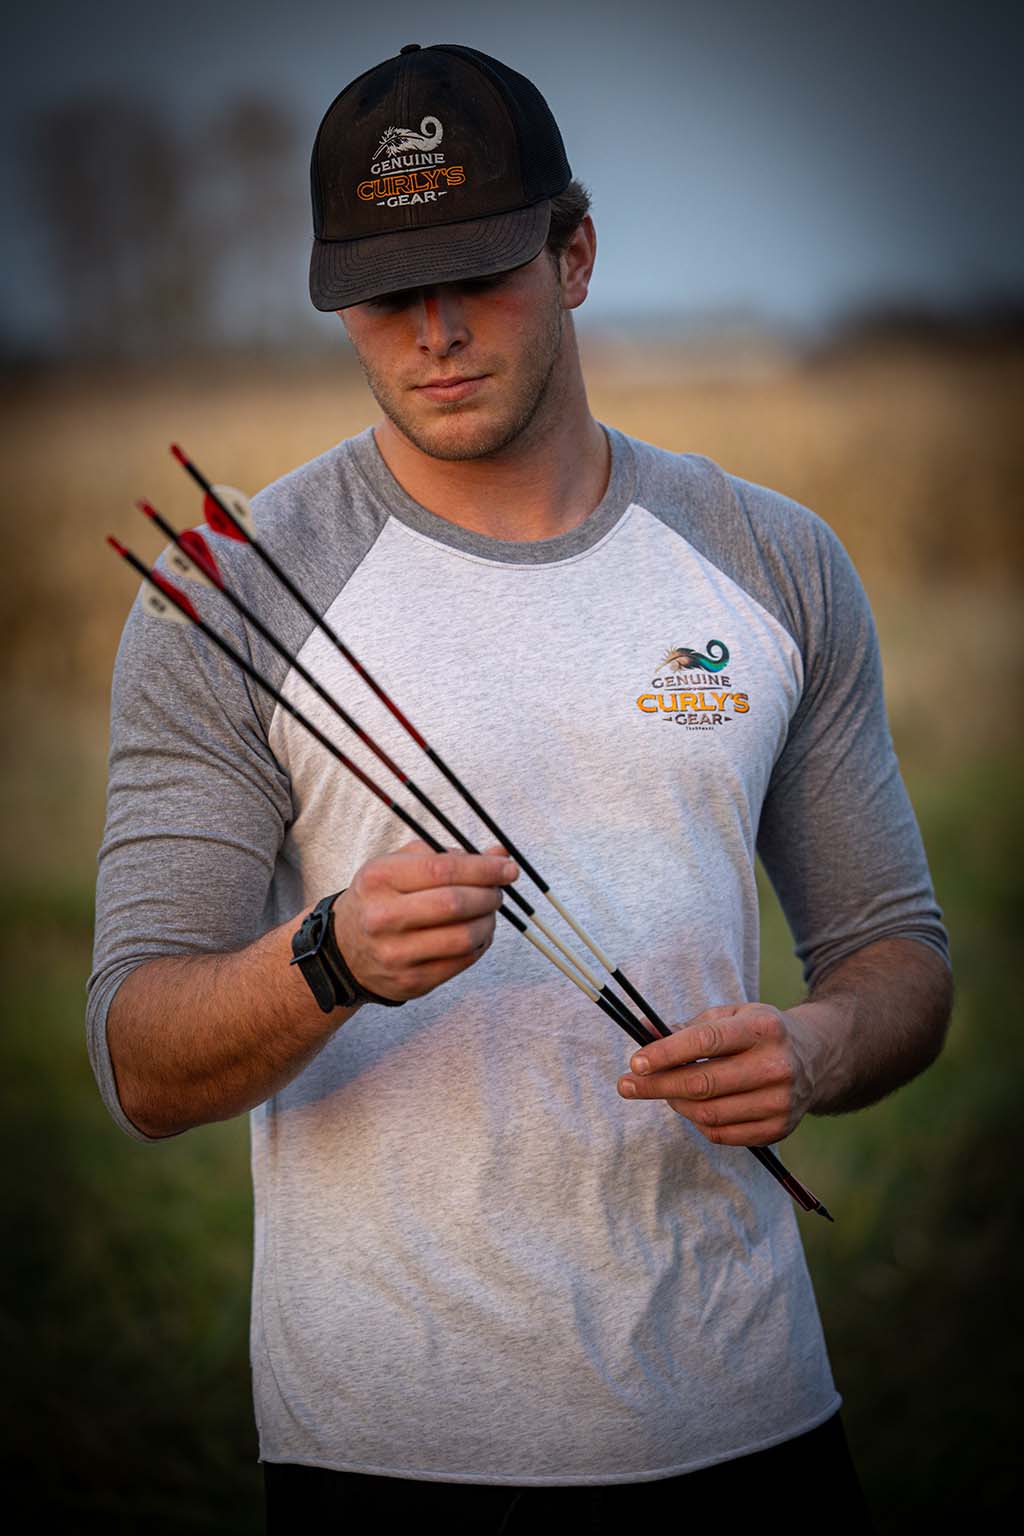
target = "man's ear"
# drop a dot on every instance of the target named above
(576, 264)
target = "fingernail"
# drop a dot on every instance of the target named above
(627, 1089)
(509, 870)
(640, 1065)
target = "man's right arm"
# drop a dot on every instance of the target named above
(200, 1038)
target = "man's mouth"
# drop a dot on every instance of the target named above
(444, 390)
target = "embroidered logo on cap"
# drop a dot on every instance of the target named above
(409, 168)
(397, 141)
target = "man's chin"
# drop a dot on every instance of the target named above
(459, 435)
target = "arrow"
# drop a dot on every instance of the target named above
(234, 508)
(179, 601)
(192, 557)
(241, 524)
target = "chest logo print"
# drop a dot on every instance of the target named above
(408, 167)
(693, 690)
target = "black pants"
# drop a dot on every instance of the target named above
(807, 1484)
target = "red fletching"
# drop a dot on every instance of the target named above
(175, 594)
(197, 549)
(219, 521)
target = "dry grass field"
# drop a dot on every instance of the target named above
(123, 1309)
(913, 455)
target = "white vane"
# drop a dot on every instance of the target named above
(160, 607)
(237, 502)
(181, 565)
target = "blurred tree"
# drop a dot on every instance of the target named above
(112, 187)
(166, 242)
(255, 207)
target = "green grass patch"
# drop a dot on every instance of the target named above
(124, 1295)
(917, 1280)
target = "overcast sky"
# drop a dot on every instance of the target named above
(790, 159)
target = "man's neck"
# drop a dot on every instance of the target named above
(544, 484)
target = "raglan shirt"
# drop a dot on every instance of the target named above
(473, 1260)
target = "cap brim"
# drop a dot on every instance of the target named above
(344, 272)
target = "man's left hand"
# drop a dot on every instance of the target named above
(743, 1075)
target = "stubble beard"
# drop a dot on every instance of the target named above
(459, 432)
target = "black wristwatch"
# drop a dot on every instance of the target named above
(316, 953)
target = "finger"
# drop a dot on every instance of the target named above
(757, 1133)
(721, 1031)
(417, 980)
(714, 1078)
(426, 871)
(408, 965)
(456, 942)
(767, 1104)
(435, 908)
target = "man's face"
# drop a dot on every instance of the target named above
(464, 369)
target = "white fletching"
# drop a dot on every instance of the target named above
(238, 503)
(182, 565)
(161, 607)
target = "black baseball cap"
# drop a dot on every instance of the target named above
(434, 167)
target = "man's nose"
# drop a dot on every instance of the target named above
(442, 321)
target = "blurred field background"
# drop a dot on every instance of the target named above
(850, 173)
(125, 1291)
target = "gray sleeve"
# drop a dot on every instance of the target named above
(838, 836)
(197, 808)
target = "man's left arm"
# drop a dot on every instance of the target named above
(843, 850)
(746, 1075)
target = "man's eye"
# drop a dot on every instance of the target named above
(483, 284)
(390, 302)
(393, 303)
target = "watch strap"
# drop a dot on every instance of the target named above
(315, 951)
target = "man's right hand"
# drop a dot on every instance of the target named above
(195, 1038)
(414, 919)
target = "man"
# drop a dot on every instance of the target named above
(485, 1280)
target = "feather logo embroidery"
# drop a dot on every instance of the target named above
(403, 141)
(409, 168)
